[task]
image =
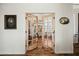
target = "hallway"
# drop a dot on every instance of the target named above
(40, 30)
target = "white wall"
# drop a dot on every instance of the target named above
(64, 33)
(13, 41)
(75, 13)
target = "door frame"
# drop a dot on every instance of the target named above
(26, 25)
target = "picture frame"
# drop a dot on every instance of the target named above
(64, 20)
(10, 22)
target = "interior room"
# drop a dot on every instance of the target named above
(39, 29)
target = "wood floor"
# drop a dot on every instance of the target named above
(40, 52)
(41, 49)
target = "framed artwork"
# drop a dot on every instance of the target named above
(10, 22)
(64, 20)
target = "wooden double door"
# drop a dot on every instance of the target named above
(40, 30)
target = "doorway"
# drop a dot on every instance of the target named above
(40, 29)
